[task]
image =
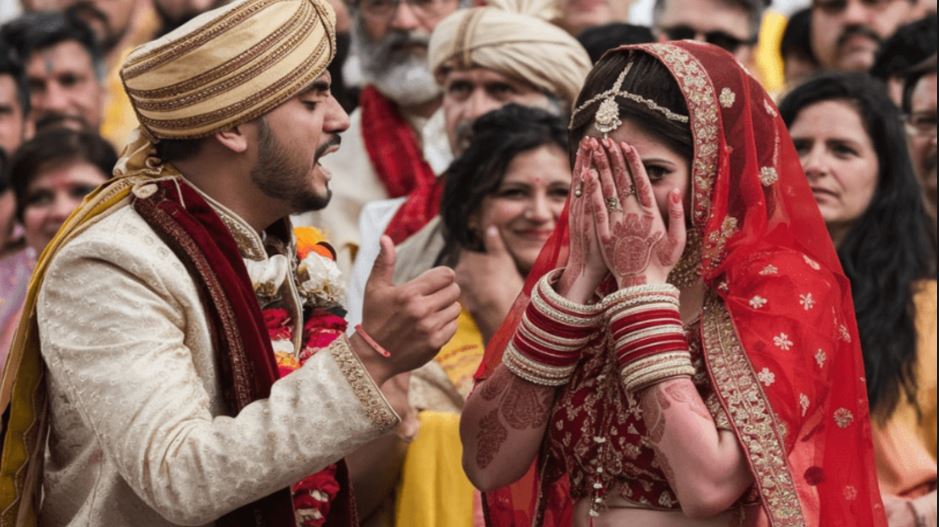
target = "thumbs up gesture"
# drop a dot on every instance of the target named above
(412, 320)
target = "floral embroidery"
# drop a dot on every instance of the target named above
(713, 250)
(723, 286)
(807, 301)
(324, 323)
(820, 357)
(804, 403)
(850, 493)
(811, 263)
(843, 333)
(782, 341)
(766, 377)
(769, 108)
(768, 176)
(728, 97)
(769, 270)
(757, 302)
(843, 417)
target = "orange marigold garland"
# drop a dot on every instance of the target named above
(320, 287)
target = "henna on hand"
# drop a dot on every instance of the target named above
(686, 393)
(635, 242)
(632, 248)
(522, 405)
(653, 407)
(491, 435)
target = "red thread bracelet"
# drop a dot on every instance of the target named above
(371, 342)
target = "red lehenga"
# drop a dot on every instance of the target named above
(782, 366)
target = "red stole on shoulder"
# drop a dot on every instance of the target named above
(399, 161)
(195, 233)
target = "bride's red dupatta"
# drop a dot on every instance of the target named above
(779, 334)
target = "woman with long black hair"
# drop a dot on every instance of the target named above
(850, 140)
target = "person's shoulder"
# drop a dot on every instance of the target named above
(118, 241)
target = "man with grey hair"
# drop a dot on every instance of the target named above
(730, 24)
(392, 145)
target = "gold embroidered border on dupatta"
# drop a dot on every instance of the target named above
(733, 377)
(758, 430)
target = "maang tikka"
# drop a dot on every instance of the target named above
(607, 118)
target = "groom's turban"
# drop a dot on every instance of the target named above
(229, 66)
(514, 38)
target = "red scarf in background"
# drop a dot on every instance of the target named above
(398, 158)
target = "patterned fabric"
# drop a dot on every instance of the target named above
(778, 337)
(395, 153)
(599, 424)
(157, 447)
(228, 66)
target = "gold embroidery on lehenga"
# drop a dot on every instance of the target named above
(749, 410)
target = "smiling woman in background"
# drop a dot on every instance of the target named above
(851, 143)
(502, 199)
(50, 174)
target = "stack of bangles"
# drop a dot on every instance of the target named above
(553, 331)
(645, 324)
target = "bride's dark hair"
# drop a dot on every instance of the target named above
(647, 78)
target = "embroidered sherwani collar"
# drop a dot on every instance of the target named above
(249, 241)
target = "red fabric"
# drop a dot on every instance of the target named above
(421, 206)
(768, 256)
(196, 225)
(398, 159)
(189, 225)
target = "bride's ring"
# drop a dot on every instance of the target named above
(612, 204)
(579, 190)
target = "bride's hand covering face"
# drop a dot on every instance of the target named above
(637, 244)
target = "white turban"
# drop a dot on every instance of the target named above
(512, 37)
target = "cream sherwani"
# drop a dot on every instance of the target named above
(137, 433)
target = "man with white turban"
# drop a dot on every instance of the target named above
(393, 144)
(180, 360)
(483, 58)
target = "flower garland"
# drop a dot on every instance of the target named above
(319, 283)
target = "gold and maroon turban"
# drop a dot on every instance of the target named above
(514, 38)
(228, 66)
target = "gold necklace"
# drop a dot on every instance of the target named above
(687, 271)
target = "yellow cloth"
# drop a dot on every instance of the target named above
(460, 357)
(434, 491)
(769, 61)
(514, 38)
(905, 446)
(229, 66)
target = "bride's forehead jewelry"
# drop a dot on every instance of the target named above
(607, 118)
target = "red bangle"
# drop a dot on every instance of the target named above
(371, 342)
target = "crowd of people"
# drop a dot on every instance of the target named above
(465, 263)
